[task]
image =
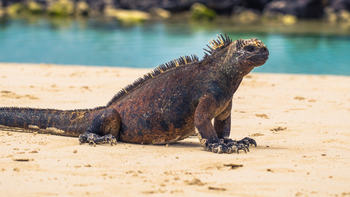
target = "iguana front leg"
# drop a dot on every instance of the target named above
(222, 122)
(104, 128)
(214, 138)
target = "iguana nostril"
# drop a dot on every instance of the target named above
(265, 50)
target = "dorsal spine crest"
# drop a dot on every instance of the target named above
(221, 42)
(182, 61)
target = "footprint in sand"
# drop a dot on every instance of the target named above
(77, 74)
(299, 98)
(31, 97)
(5, 92)
(278, 129)
(256, 134)
(262, 116)
(52, 88)
(85, 88)
(12, 95)
(16, 169)
(194, 181)
(216, 188)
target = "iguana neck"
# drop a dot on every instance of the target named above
(229, 75)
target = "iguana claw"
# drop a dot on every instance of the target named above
(93, 139)
(229, 146)
(248, 141)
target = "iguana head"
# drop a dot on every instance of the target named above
(250, 52)
(241, 55)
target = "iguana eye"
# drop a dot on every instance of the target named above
(250, 48)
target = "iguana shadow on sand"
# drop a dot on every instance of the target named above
(165, 105)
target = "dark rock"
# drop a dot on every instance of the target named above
(172, 5)
(338, 5)
(99, 5)
(223, 6)
(256, 4)
(219, 6)
(298, 8)
(6, 3)
(227, 6)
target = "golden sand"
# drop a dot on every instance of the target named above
(301, 124)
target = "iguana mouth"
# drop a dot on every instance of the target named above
(259, 59)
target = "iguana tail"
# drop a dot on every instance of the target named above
(58, 122)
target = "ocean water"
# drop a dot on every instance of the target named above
(107, 43)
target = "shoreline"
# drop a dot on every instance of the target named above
(145, 69)
(301, 124)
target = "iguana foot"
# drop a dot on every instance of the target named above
(229, 146)
(93, 139)
(247, 141)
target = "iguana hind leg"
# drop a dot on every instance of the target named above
(104, 128)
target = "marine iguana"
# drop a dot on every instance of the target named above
(165, 105)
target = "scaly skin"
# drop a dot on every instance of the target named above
(164, 106)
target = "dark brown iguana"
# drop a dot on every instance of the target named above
(163, 106)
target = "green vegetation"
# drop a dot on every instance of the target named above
(34, 8)
(61, 8)
(201, 12)
(15, 9)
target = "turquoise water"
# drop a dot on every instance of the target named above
(90, 42)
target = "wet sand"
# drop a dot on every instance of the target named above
(300, 122)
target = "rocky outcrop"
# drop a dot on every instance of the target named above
(339, 5)
(338, 11)
(127, 16)
(222, 6)
(256, 4)
(298, 8)
(173, 5)
(6, 3)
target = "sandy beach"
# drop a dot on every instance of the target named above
(300, 122)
